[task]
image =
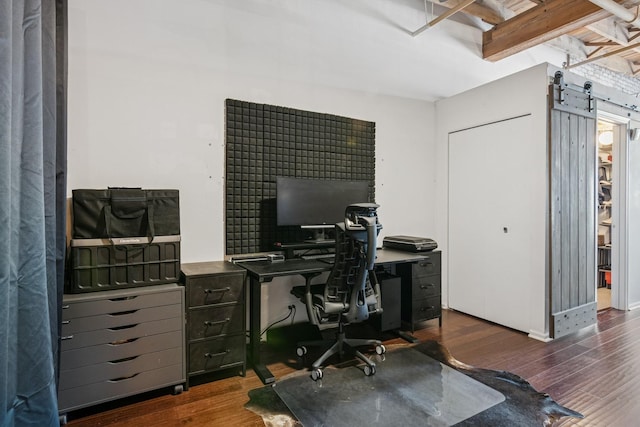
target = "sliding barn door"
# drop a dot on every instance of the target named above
(572, 216)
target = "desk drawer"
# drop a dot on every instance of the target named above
(426, 286)
(124, 368)
(78, 397)
(219, 353)
(119, 334)
(215, 290)
(121, 319)
(118, 350)
(425, 309)
(207, 322)
(426, 267)
(119, 301)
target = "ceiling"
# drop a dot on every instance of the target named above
(584, 30)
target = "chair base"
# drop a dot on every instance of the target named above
(339, 346)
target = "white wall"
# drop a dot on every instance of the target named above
(146, 108)
(523, 93)
(148, 79)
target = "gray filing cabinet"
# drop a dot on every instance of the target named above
(421, 289)
(119, 343)
(216, 337)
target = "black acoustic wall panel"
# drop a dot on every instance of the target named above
(266, 141)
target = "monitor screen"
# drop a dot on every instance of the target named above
(312, 202)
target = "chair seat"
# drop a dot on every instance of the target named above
(299, 291)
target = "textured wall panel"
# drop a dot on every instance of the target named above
(266, 141)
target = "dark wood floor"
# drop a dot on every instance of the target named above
(594, 371)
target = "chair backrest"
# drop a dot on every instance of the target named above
(352, 281)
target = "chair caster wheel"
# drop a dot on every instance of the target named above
(301, 351)
(381, 349)
(369, 370)
(316, 374)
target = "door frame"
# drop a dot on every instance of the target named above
(619, 212)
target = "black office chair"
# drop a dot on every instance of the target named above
(351, 293)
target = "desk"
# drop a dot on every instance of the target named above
(260, 272)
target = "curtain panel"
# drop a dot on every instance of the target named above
(32, 186)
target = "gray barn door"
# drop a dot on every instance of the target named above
(573, 203)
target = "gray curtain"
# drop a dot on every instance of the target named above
(32, 186)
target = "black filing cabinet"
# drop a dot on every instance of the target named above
(421, 290)
(215, 317)
(119, 343)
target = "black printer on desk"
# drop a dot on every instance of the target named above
(409, 243)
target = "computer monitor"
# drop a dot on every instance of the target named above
(316, 203)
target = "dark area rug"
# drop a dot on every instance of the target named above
(419, 384)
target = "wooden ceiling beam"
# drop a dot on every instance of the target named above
(607, 43)
(538, 25)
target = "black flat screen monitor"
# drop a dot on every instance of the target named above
(316, 203)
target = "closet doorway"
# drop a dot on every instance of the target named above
(614, 244)
(606, 135)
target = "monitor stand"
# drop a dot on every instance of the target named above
(320, 236)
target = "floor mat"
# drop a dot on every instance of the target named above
(409, 388)
(414, 385)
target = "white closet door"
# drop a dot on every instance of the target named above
(494, 180)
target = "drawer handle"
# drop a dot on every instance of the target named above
(427, 308)
(118, 328)
(66, 322)
(122, 313)
(66, 337)
(210, 291)
(212, 355)
(124, 298)
(64, 307)
(115, 380)
(212, 323)
(425, 264)
(126, 359)
(428, 286)
(120, 342)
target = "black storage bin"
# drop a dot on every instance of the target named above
(125, 212)
(102, 264)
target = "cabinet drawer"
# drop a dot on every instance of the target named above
(426, 286)
(206, 322)
(216, 353)
(92, 394)
(119, 350)
(120, 333)
(215, 290)
(120, 319)
(425, 309)
(120, 369)
(118, 301)
(431, 265)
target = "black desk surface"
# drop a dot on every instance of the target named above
(266, 270)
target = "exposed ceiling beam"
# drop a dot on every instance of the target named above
(611, 29)
(443, 16)
(607, 43)
(538, 25)
(577, 49)
(596, 58)
(485, 13)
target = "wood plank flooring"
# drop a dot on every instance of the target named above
(594, 371)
